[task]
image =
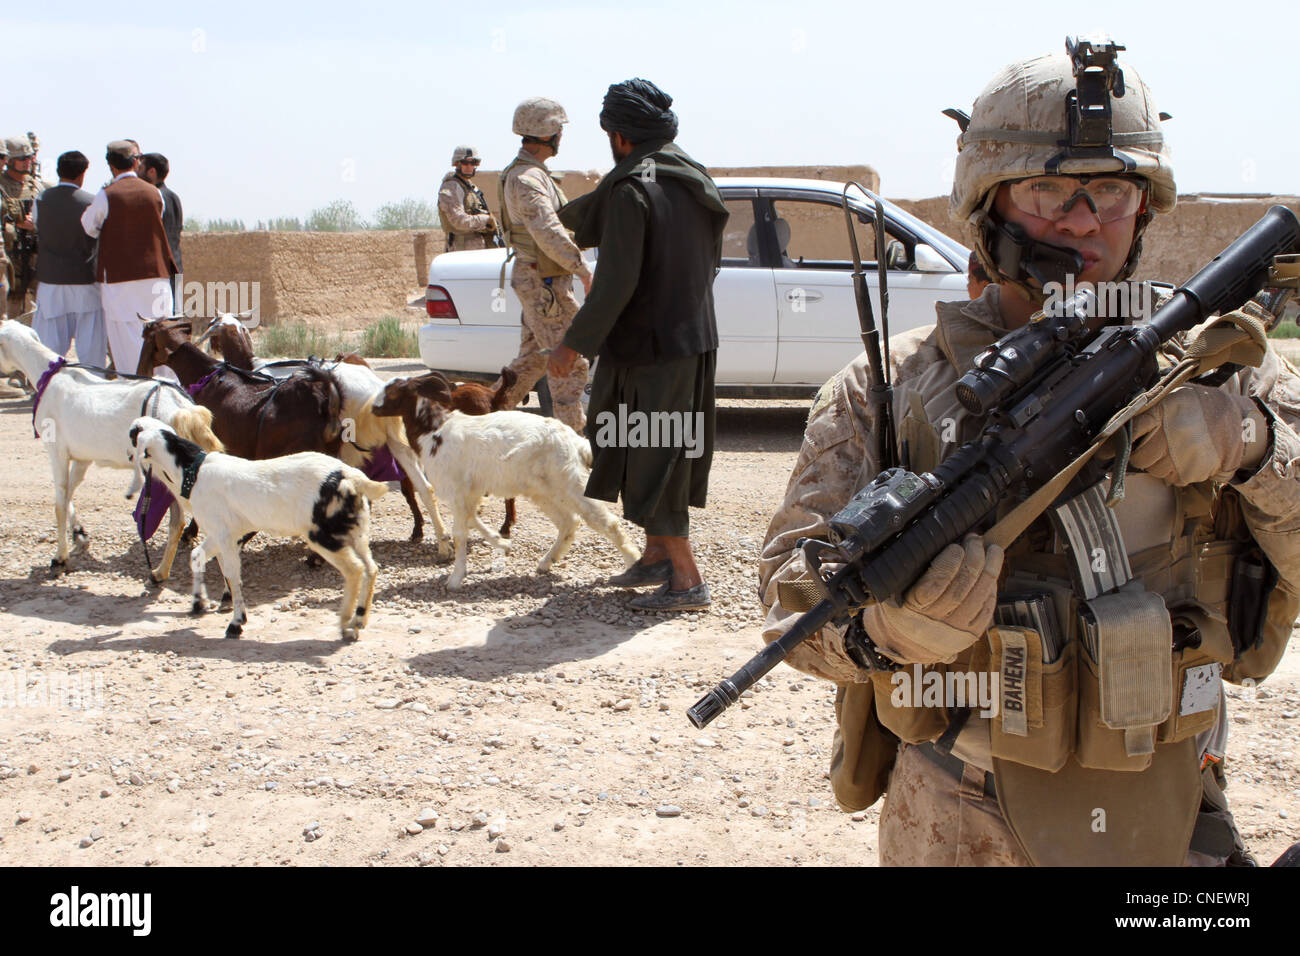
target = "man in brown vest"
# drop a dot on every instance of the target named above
(135, 264)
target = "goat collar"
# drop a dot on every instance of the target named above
(191, 474)
(41, 384)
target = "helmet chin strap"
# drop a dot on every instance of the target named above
(1019, 257)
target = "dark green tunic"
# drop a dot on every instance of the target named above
(663, 468)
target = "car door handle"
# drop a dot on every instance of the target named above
(804, 295)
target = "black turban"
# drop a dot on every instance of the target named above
(639, 110)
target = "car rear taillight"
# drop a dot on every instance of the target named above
(438, 303)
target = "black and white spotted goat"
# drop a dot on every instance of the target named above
(309, 496)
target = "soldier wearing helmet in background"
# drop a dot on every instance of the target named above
(546, 258)
(1039, 777)
(35, 176)
(18, 193)
(462, 207)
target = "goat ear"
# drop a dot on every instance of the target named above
(135, 433)
(508, 377)
(148, 358)
(434, 386)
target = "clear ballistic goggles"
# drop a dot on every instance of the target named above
(1053, 197)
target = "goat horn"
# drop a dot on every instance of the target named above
(212, 327)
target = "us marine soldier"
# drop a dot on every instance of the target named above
(18, 192)
(1211, 496)
(462, 207)
(545, 258)
(35, 174)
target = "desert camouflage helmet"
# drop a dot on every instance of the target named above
(1020, 119)
(19, 147)
(540, 117)
(1020, 126)
(462, 153)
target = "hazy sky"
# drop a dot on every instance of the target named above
(271, 110)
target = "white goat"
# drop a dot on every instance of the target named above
(309, 496)
(364, 432)
(508, 454)
(83, 419)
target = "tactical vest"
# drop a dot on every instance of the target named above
(1104, 718)
(519, 240)
(475, 204)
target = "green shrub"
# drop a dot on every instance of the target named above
(298, 340)
(388, 339)
(1285, 330)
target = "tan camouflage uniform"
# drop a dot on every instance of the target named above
(466, 213)
(929, 817)
(12, 194)
(532, 200)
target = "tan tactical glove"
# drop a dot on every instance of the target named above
(1199, 433)
(945, 611)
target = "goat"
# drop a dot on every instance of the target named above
(360, 433)
(83, 420)
(365, 434)
(254, 416)
(230, 340)
(475, 399)
(506, 453)
(309, 496)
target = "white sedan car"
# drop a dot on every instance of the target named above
(787, 320)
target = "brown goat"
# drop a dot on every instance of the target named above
(253, 416)
(230, 340)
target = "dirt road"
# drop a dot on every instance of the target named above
(523, 720)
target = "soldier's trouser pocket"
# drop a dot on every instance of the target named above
(1125, 679)
(1035, 718)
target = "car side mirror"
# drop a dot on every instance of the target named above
(928, 260)
(896, 255)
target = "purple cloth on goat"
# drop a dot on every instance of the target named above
(383, 466)
(160, 499)
(198, 386)
(44, 380)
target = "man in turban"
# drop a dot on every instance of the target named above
(658, 219)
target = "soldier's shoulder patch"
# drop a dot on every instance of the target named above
(825, 395)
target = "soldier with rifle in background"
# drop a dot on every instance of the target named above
(1105, 650)
(462, 207)
(18, 192)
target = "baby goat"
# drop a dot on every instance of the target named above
(308, 496)
(509, 454)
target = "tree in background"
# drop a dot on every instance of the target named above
(338, 216)
(406, 214)
(224, 225)
(280, 224)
